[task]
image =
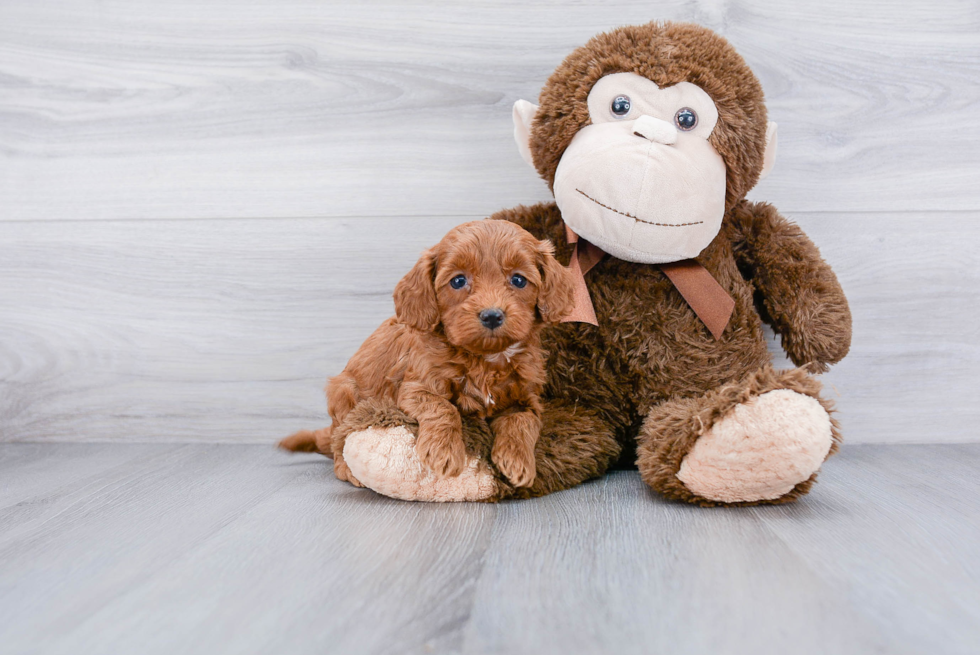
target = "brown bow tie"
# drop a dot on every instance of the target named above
(707, 298)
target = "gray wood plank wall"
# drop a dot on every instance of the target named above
(204, 206)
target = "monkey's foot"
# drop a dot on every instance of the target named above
(384, 460)
(761, 450)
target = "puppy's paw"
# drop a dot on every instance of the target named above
(513, 446)
(343, 472)
(443, 454)
(515, 460)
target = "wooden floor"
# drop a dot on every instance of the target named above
(170, 548)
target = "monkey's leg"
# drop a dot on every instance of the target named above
(756, 441)
(574, 446)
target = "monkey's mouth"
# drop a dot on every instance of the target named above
(636, 218)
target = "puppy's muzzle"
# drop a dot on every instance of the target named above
(492, 318)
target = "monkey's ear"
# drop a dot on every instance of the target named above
(556, 295)
(770, 157)
(415, 295)
(524, 112)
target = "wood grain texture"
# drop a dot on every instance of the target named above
(226, 330)
(316, 147)
(660, 577)
(923, 498)
(242, 549)
(214, 330)
(296, 109)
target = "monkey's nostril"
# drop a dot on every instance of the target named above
(492, 318)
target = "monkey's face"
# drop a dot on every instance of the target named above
(641, 181)
(647, 135)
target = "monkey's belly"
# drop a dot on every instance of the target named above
(638, 358)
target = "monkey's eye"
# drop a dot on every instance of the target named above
(620, 106)
(458, 282)
(518, 280)
(686, 119)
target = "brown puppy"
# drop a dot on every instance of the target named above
(464, 338)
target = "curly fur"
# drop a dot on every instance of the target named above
(436, 359)
(646, 382)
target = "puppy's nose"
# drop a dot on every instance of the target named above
(491, 318)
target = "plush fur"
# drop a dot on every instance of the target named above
(673, 429)
(649, 381)
(438, 357)
(667, 54)
(576, 441)
(760, 450)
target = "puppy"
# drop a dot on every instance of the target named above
(464, 338)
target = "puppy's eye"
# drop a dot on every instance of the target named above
(686, 119)
(518, 280)
(458, 282)
(620, 106)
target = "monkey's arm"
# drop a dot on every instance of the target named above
(544, 222)
(796, 290)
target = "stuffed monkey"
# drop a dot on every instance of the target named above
(650, 137)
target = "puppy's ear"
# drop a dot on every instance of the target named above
(415, 295)
(555, 298)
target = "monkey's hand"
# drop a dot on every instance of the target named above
(343, 472)
(379, 453)
(797, 293)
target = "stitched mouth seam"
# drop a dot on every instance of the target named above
(634, 217)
